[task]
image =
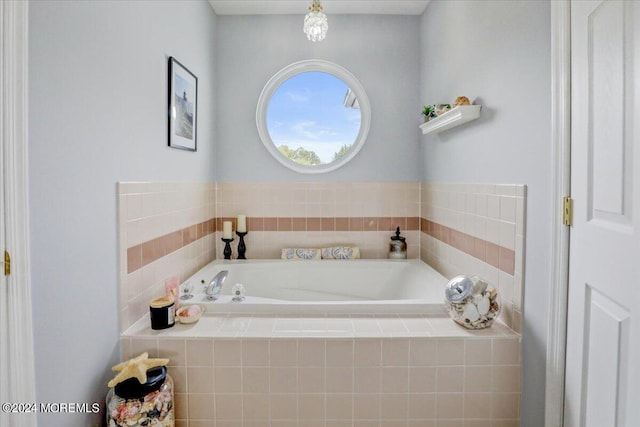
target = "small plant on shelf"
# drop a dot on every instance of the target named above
(432, 111)
(427, 112)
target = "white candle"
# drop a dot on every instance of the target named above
(242, 224)
(226, 230)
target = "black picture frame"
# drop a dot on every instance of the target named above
(182, 109)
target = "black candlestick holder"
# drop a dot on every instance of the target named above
(242, 249)
(227, 248)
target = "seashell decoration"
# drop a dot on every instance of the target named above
(479, 305)
(461, 100)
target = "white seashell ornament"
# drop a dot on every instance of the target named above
(483, 305)
(479, 285)
(470, 312)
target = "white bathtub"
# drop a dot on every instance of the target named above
(327, 286)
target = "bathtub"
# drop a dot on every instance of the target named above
(323, 287)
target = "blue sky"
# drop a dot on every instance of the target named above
(307, 110)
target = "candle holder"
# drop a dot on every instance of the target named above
(227, 248)
(241, 246)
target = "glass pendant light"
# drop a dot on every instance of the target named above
(315, 23)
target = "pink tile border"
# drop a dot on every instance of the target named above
(145, 253)
(497, 256)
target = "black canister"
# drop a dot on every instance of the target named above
(163, 313)
(132, 389)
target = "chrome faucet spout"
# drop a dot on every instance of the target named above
(215, 286)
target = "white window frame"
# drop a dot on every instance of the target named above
(302, 67)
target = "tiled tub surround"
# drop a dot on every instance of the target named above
(274, 371)
(477, 229)
(169, 229)
(321, 214)
(165, 230)
(342, 370)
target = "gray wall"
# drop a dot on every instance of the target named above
(498, 53)
(381, 51)
(98, 84)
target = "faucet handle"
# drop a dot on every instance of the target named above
(238, 292)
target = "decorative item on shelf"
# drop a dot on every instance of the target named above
(428, 112)
(227, 238)
(461, 100)
(172, 288)
(301, 253)
(242, 248)
(241, 223)
(340, 252)
(227, 248)
(398, 246)
(315, 23)
(189, 314)
(226, 230)
(432, 111)
(471, 302)
(241, 231)
(141, 394)
(162, 312)
(442, 108)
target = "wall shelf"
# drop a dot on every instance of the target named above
(452, 118)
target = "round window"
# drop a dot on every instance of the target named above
(313, 116)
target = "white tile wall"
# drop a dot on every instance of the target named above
(149, 210)
(492, 212)
(300, 200)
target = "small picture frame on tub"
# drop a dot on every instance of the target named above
(182, 107)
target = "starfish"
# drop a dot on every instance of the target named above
(135, 368)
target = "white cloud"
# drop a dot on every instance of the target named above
(299, 97)
(308, 129)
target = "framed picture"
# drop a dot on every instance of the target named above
(183, 107)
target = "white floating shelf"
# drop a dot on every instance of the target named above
(452, 118)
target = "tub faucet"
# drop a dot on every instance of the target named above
(215, 286)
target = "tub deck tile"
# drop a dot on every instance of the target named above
(418, 325)
(366, 326)
(345, 326)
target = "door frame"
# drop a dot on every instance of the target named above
(561, 187)
(14, 78)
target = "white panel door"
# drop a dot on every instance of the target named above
(603, 336)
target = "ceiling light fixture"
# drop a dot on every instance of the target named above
(315, 23)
